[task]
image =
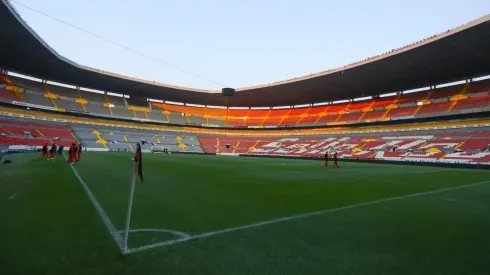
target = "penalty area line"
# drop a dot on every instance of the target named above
(300, 216)
(112, 230)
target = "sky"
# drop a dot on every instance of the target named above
(238, 43)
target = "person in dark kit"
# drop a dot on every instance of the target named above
(79, 151)
(60, 149)
(52, 151)
(72, 152)
(326, 159)
(335, 164)
(45, 150)
(75, 151)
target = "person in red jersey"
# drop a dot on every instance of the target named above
(335, 164)
(79, 151)
(326, 159)
(72, 152)
(75, 151)
(45, 150)
(52, 151)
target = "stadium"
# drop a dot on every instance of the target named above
(237, 183)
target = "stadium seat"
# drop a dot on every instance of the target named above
(434, 108)
(475, 144)
(351, 117)
(402, 111)
(473, 103)
(373, 115)
(464, 157)
(446, 91)
(6, 95)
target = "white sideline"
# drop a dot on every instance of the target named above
(174, 232)
(102, 214)
(260, 224)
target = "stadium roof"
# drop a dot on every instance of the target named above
(457, 54)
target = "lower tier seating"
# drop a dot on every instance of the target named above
(465, 145)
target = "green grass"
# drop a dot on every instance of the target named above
(49, 225)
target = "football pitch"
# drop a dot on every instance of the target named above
(199, 214)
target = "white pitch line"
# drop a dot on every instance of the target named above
(174, 232)
(117, 238)
(300, 216)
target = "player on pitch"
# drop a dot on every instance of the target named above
(60, 149)
(335, 164)
(79, 151)
(326, 158)
(45, 150)
(71, 153)
(52, 151)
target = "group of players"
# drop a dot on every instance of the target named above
(335, 164)
(74, 153)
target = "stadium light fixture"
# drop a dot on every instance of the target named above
(174, 103)
(451, 84)
(302, 106)
(24, 76)
(363, 98)
(216, 107)
(340, 101)
(195, 105)
(239, 108)
(155, 100)
(61, 85)
(114, 94)
(320, 104)
(481, 78)
(92, 91)
(387, 95)
(416, 90)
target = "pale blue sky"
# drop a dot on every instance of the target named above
(239, 43)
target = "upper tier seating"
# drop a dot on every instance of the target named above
(446, 92)
(439, 101)
(377, 114)
(355, 116)
(37, 98)
(473, 103)
(7, 95)
(434, 108)
(402, 111)
(122, 112)
(97, 109)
